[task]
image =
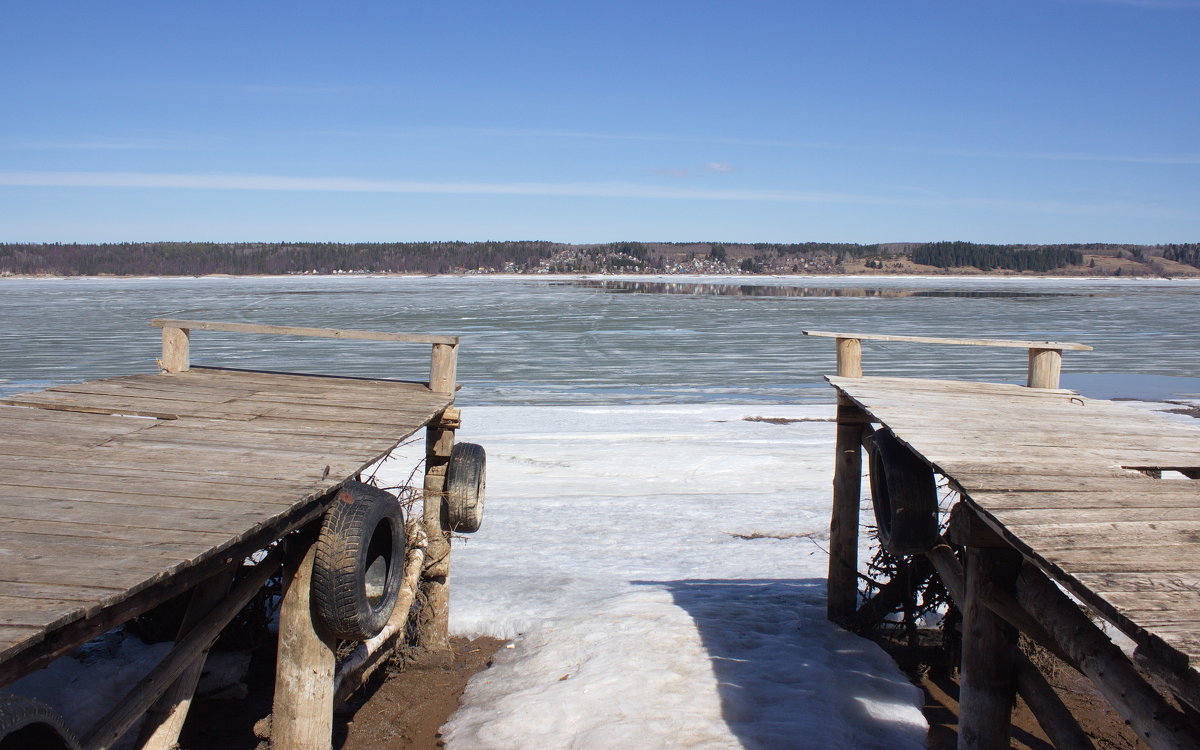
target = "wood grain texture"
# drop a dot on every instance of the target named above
(332, 333)
(138, 480)
(963, 342)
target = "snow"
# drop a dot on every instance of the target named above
(611, 553)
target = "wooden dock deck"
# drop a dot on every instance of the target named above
(120, 494)
(101, 502)
(1052, 485)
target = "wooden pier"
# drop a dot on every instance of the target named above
(1055, 492)
(120, 494)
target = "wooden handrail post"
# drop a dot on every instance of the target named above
(175, 344)
(443, 368)
(1044, 368)
(849, 358)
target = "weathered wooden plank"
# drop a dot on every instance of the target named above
(9, 414)
(37, 613)
(1150, 560)
(34, 502)
(122, 526)
(1181, 582)
(1114, 536)
(1075, 514)
(202, 325)
(80, 592)
(181, 481)
(956, 341)
(1104, 486)
(16, 637)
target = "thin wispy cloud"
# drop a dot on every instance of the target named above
(435, 132)
(565, 189)
(669, 172)
(256, 88)
(691, 173)
(96, 144)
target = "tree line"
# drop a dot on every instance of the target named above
(275, 258)
(993, 257)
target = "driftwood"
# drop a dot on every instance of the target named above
(366, 657)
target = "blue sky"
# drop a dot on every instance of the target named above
(866, 121)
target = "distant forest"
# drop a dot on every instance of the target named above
(991, 257)
(275, 258)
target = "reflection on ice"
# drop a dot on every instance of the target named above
(709, 288)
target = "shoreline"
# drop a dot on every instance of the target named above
(712, 278)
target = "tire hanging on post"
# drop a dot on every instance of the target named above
(466, 482)
(903, 495)
(359, 561)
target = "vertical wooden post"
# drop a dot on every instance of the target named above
(841, 594)
(1044, 368)
(302, 718)
(164, 720)
(849, 358)
(175, 342)
(988, 681)
(443, 368)
(433, 619)
(842, 585)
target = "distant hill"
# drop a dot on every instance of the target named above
(278, 258)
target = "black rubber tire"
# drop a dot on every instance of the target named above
(362, 530)
(466, 483)
(26, 724)
(903, 495)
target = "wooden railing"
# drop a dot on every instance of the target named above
(1045, 357)
(176, 338)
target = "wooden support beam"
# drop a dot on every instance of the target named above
(842, 582)
(118, 721)
(302, 718)
(988, 681)
(175, 345)
(1052, 715)
(1158, 723)
(1044, 368)
(164, 720)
